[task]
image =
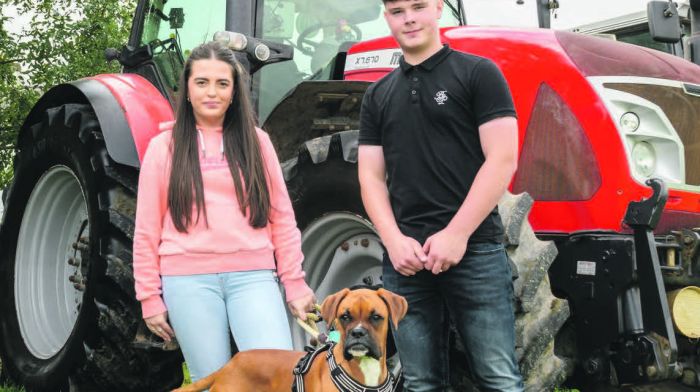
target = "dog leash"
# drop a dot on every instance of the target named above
(310, 324)
(318, 338)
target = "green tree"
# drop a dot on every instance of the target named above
(15, 100)
(64, 40)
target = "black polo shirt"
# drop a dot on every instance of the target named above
(426, 118)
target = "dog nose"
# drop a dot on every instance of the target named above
(358, 332)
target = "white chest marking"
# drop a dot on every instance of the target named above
(371, 370)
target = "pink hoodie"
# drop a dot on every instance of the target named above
(229, 244)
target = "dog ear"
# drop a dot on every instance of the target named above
(397, 305)
(330, 305)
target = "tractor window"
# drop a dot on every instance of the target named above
(172, 28)
(641, 38)
(317, 30)
(639, 35)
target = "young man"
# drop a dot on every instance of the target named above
(438, 148)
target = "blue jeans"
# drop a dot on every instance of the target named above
(202, 309)
(477, 295)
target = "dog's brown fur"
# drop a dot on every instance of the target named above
(271, 370)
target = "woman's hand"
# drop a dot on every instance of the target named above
(300, 306)
(158, 324)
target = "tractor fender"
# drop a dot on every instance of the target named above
(314, 109)
(128, 108)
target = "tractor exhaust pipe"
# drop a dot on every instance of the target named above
(694, 39)
(544, 12)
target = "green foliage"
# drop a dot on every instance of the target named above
(10, 389)
(64, 40)
(186, 372)
(15, 99)
(6, 155)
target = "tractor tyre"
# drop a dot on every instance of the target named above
(342, 249)
(70, 315)
(539, 316)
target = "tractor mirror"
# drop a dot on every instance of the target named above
(176, 16)
(664, 22)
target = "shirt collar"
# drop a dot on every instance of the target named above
(429, 63)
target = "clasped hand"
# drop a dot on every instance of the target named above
(441, 251)
(300, 306)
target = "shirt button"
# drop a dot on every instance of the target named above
(413, 92)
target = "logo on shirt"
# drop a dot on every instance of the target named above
(441, 97)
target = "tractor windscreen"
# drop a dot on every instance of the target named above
(318, 31)
(173, 27)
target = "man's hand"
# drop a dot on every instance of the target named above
(158, 324)
(406, 255)
(300, 306)
(445, 249)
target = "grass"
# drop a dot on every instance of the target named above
(186, 373)
(6, 388)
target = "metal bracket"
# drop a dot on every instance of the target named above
(643, 216)
(646, 214)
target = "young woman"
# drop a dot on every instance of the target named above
(214, 224)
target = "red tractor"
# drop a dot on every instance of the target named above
(599, 120)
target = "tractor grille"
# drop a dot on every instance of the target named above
(682, 107)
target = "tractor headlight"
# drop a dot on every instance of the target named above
(629, 122)
(262, 52)
(234, 41)
(644, 158)
(651, 143)
(239, 42)
(684, 304)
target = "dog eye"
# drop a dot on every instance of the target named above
(345, 317)
(376, 317)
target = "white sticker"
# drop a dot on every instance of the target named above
(381, 59)
(585, 268)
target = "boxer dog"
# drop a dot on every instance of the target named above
(362, 318)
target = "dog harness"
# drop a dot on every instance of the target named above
(340, 378)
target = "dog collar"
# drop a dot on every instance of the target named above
(345, 383)
(340, 378)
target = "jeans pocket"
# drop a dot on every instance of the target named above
(484, 248)
(389, 275)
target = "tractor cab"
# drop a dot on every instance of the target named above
(319, 32)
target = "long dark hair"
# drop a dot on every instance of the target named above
(241, 149)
